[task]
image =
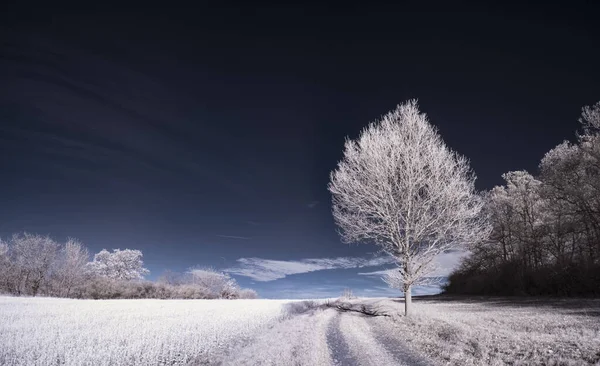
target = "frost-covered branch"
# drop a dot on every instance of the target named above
(399, 186)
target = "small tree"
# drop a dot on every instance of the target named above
(399, 186)
(215, 283)
(247, 293)
(347, 294)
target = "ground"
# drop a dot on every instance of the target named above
(443, 330)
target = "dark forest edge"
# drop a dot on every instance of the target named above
(546, 227)
(36, 265)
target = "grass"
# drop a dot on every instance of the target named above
(501, 331)
(46, 331)
(446, 330)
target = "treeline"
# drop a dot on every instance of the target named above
(32, 265)
(546, 228)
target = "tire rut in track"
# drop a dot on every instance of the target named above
(338, 347)
(355, 339)
(397, 348)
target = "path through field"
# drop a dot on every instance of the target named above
(326, 337)
(45, 331)
(444, 330)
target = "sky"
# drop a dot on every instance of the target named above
(205, 136)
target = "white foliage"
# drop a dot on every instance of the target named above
(6, 270)
(571, 173)
(247, 293)
(399, 186)
(32, 258)
(47, 331)
(540, 223)
(522, 194)
(120, 264)
(590, 117)
(70, 267)
(217, 284)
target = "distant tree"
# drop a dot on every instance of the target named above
(37, 265)
(590, 118)
(399, 186)
(120, 264)
(173, 278)
(32, 256)
(247, 293)
(216, 284)
(70, 267)
(6, 270)
(347, 294)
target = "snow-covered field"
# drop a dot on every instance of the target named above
(47, 331)
(443, 331)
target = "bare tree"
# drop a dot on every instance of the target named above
(34, 264)
(399, 186)
(6, 270)
(33, 256)
(247, 293)
(172, 278)
(70, 267)
(215, 283)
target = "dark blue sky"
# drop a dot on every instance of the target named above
(202, 136)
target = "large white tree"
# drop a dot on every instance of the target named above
(120, 264)
(400, 187)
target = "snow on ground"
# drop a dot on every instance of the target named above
(47, 331)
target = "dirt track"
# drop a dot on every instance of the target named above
(326, 336)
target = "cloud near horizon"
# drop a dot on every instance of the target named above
(265, 270)
(445, 264)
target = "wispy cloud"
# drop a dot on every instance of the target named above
(312, 204)
(233, 237)
(445, 264)
(261, 269)
(376, 273)
(303, 291)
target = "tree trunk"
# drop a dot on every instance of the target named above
(407, 300)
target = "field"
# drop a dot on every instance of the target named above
(455, 331)
(503, 331)
(45, 331)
